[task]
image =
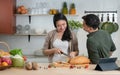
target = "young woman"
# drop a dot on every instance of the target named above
(62, 39)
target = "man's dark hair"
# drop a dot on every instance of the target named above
(91, 20)
(67, 33)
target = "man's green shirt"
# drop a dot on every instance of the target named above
(99, 45)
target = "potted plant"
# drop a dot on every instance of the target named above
(75, 25)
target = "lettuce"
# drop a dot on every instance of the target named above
(17, 61)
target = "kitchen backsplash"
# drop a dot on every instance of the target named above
(41, 23)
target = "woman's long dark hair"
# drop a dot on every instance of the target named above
(67, 33)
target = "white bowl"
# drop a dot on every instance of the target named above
(38, 31)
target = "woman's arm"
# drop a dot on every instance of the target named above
(48, 51)
(52, 51)
(75, 45)
(47, 45)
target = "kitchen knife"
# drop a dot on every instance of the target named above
(65, 54)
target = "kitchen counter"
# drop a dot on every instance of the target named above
(58, 71)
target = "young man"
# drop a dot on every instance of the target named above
(99, 42)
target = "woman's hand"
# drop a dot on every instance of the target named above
(57, 51)
(72, 54)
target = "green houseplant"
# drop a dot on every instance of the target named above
(74, 25)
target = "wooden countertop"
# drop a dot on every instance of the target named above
(57, 71)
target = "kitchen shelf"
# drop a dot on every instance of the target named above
(31, 34)
(42, 15)
(100, 11)
(30, 15)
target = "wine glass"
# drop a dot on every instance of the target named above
(19, 29)
(27, 28)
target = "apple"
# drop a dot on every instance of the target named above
(6, 59)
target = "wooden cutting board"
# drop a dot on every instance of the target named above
(65, 64)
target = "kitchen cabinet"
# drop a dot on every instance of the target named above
(7, 16)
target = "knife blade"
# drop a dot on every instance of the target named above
(65, 54)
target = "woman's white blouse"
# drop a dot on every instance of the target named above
(63, 45)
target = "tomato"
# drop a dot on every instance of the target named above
(86, 66)
(25, 58)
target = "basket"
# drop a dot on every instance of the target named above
(4, 67)
(4, 44)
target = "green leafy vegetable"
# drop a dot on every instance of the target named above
(17, 62)
(75, 24)
(16, 52)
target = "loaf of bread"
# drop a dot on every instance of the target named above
(78, 60)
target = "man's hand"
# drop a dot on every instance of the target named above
(111, 53)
